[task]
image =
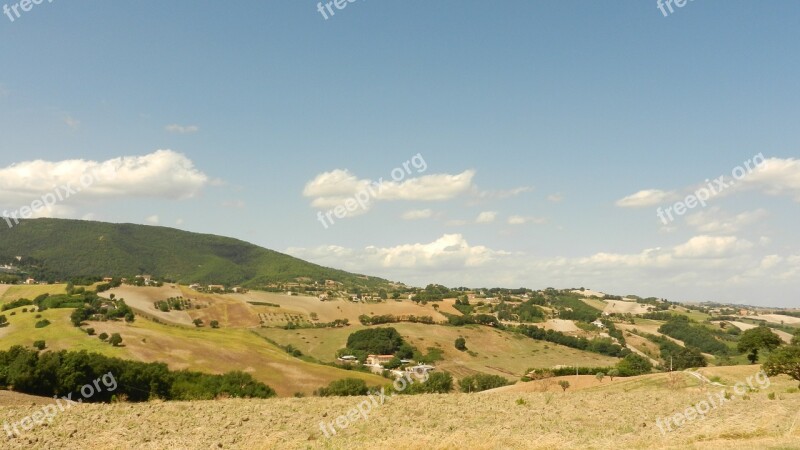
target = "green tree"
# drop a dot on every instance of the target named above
(600, 376)
(214, 324)
(90, 331)
(755, 339)
(3, 320)
(633, 365)
(613, 373)
(564, 385)
(115, 339)
(481, 382)
(461, 344)
(39, 345)
(103, 336)
(344, 387)
(784, 361)
(796, 338)
(197, 322)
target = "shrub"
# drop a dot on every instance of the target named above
(633, 365)
(42, 323)
(103, 336)
(39, 345)
(461, 344)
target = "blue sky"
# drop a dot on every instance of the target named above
(534, 119)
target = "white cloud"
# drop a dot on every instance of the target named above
(522, 220)
(182, 129)
(647, 197)
(711, 247)
(715, 220)
(479, 195)
(486, 217)
(331, 189)
(449, 252)
(775, 176)
(417, 214)
(456, 223)
(161, 174)
(555, 198)
(152, 220)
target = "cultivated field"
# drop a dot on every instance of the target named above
(204, 349)
(779, 318)
(625, 307)
(621, 414)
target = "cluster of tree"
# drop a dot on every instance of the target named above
(658, 315)
(378, 341)
(785, 360)
(173, 304)
(697, 336)
(336, 323)
(675, 356)
(93, 307)
(434, 293)
(602, 346)
(468, 319)
(572, 307)
(614, 332)
(756, 339)
(60, 373)
(633, 365)
(481, 382)
(538, 374)
(462, 305)
(526, 311)
(345, 387)
(389, 318)
(437, 383)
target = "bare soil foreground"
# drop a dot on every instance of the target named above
(586, 419)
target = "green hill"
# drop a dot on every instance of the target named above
(57, 249)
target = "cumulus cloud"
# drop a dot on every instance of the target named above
(161, 174)
(647, 197)
(775, 176)
(152, 220)
(555, 198)
(479, 195)
(417, 214)
(182, 129)
(711, 247)
(486, 217)
(331, 189)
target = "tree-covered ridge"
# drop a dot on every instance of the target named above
(57, 249)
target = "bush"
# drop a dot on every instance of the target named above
(103, 336)
(42, 323)
(461, 344)
(379, 341)
(115, 339)
(39, 345)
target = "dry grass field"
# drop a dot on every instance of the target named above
(16, 292)
(625, 307)
(622, 415)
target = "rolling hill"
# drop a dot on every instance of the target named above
(57, 249)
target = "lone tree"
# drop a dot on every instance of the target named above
(214, 324)
(197, 322)
(564, 385)
(39, 345)
(103, 336)
(600, 376)
(461, 344)
(115, 340)
(756, 339)
(3, 321)
(784, 361)
(613, 373)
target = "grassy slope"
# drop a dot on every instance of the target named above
(75, 248)
(498, 352)
(206, 350)
(31, 292)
